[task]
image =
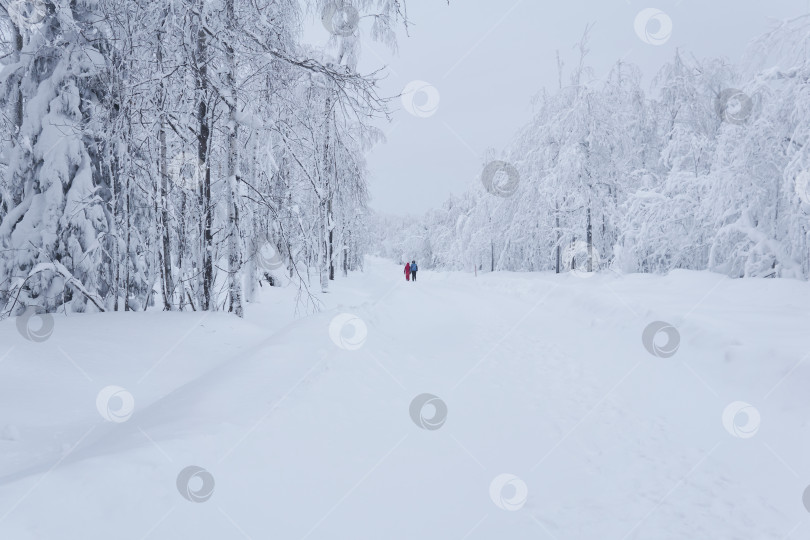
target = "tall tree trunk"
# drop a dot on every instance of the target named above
(559, 238)
(326, 262)
(203, 134)
(165, 221)
(346, 253)
(333, 189)
(116, 167)
(252, 277)
(115, 251)
(19, 102)
(128, 231)
(589, 236)
(234, 282)
(331, 249)
(182, 245)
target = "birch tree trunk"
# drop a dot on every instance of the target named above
(589, 238)
(234, 280)
(204, 169)
(165, 221)
(326, 261)
(557, 223)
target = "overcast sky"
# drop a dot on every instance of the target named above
(486, 59)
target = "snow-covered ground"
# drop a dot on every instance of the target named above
(560, 423)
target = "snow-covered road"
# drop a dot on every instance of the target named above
(548, 414)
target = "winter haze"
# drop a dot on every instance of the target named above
(404, 269)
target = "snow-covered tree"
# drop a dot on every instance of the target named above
(709, 170)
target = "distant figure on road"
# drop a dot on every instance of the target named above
(408, 272)
(414, 268)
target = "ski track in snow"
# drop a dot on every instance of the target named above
(545, 377)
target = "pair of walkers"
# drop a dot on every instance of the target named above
(410, 270)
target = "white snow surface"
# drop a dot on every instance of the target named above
(545, 377)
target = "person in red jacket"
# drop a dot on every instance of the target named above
(407, 271)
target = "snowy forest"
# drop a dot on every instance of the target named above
(709, 169)
(177, 153)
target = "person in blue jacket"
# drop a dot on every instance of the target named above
(414, 268)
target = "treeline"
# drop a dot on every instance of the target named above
(176, 152)
(710, 173)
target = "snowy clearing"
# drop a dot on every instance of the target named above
(302, 433)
